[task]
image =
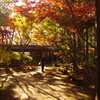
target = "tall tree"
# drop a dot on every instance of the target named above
(98, 49)
(5, 30)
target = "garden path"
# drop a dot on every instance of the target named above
(36, 85)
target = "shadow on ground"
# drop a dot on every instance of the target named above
(40, 86)
(7, 93)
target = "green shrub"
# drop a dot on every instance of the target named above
(27, 59)
(4, 57)
(17, 57)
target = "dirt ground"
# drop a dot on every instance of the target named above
(36, 85)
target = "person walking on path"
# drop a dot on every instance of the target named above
(42, 63)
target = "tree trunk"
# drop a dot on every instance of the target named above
(75, 53)
(86, 55)
(98, 49)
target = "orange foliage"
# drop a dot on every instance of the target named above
(62, 12)
(59, 54)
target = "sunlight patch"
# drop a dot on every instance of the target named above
(20, 94)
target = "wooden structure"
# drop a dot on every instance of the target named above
(26, 48)
(36, 51)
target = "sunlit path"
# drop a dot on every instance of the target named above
(40, 86)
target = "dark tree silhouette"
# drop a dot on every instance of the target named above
(98, 48)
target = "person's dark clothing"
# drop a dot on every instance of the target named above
(42, 63)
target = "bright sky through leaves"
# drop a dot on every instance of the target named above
(20, 3)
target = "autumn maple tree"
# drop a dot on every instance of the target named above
(76, 17)
(68, 25)
(5, 22)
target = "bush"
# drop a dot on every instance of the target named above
(4, 57)
(16, 58)
(27, 59)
